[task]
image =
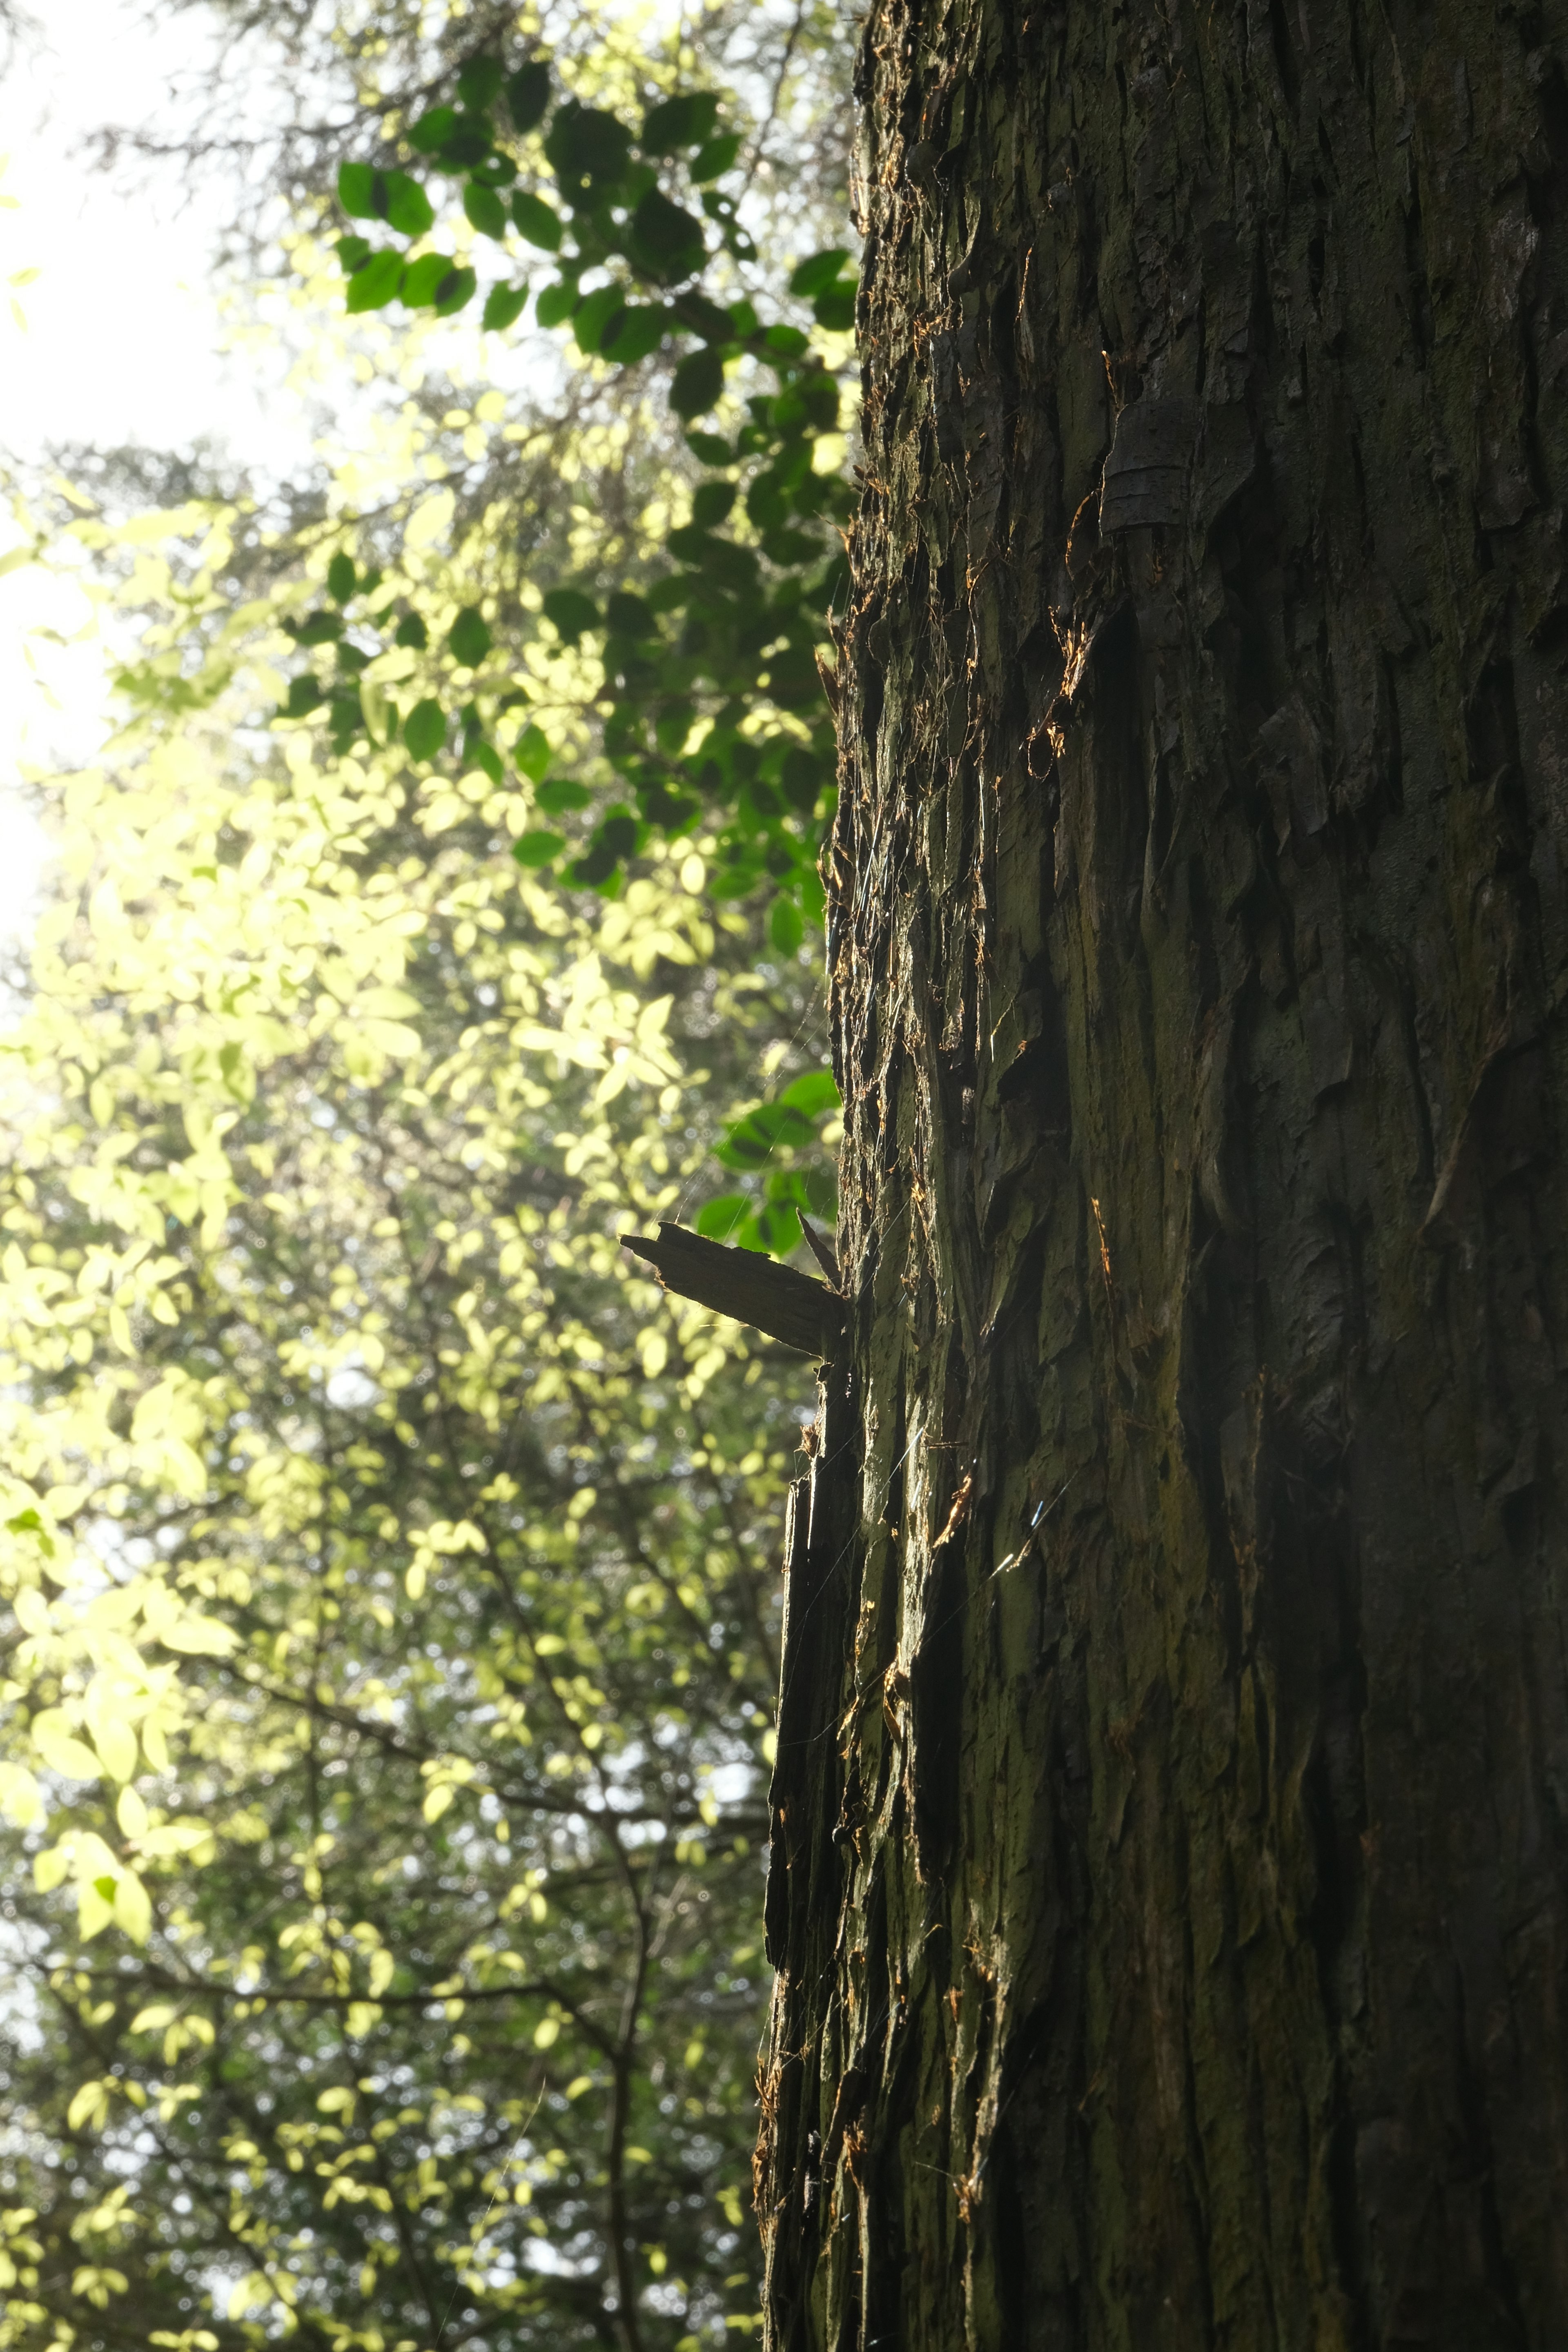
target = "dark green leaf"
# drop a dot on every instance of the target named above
(412, 631)
(536, 221)
(633, 332)
(480, 82)
(666, 238)
(714, 159)
(485, 210)
(711, 448)
(786, 342)
(629, 616)
(424, 729)
(556, 301)
(485, 755)
(423, 280)
(678, 122)
(469, 637)
(697, 383)
(709, 321)
(528, 95)
(433, 130)
(812, 277)
(357, 192)
(458, 286)
(532, 754)
(559, 795)
(835, 308)
(785, 928)
(408, 208)
(538, 849)
(593, 313)
(503, 306)
(316, 628)
(571, 612)
(372, 287)
(495, 169)
(717, 1220)
(467, 146)
(589, 149)
(814, 1093)
(304, 694)
(711, 502)
(775, 1228)
(352, 251)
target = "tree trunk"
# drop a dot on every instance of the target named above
(1168, 1882)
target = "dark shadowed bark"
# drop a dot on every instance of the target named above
(1169, 1878)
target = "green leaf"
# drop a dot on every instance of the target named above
(627, 615)
(633, 332)
(559, 795)
(422, 279)
(815, 275)
(785, 928)
(667, 239)
(714, 159)
(352, 251)
(678, 122)
(480, 82)
(593, 313)
(503, 306)
(775, 1228)
(531, 752)
(717, 1220)
(485, 210)
(469, 637)
(412, 631)
(538, 849)
(341, 577)
(588, 149)
(711, 502)
(556, 301)
(467, 146)
(304, 694)
(814, 1093)
(408, 208)
(710, 321)
(712, 447)
(424, 729)
(536, 221)
(835, 308)
(372, 287)
(433, 130)
(528, 95)
(571, 612)
(786, 343)
(697, 383)
(358, 193)
(458, 286)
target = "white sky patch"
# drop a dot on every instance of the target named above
(122, 344)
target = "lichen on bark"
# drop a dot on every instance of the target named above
(1168, 1881)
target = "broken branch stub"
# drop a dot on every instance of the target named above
(791, 1307)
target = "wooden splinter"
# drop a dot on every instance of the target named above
(791, 1307)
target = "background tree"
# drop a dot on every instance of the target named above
(389, 1570)
(1168, 1881)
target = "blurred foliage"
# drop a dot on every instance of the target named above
(389, 1570)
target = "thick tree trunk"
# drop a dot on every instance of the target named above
(1169, 1880)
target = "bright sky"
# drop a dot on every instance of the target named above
(122, 344)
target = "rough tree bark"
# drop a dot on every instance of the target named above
(1168, 1883)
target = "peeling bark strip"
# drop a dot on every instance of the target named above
(1169, 1878)
(749, 1288)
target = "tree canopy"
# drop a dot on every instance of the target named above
(389, 1568)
